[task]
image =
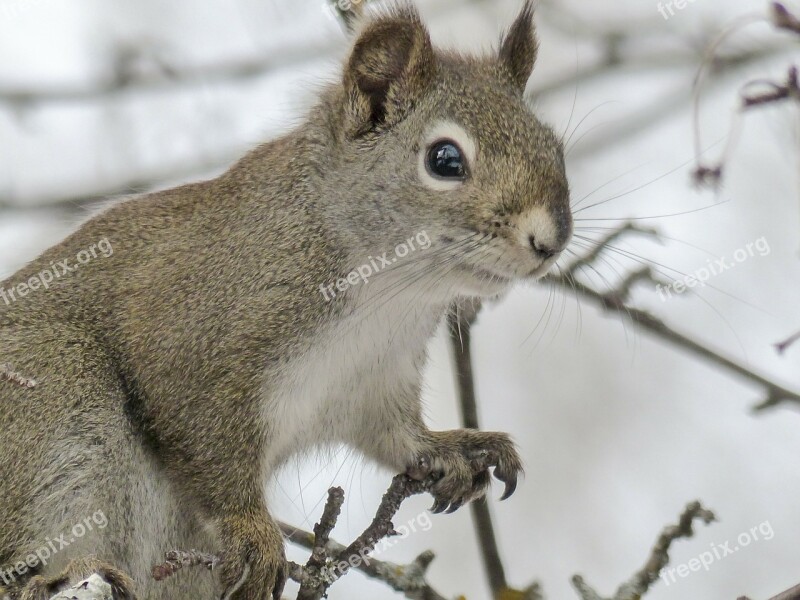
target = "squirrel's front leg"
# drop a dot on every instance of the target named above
(219, 469)
(253, 565)
(253, 562)
(460, 460)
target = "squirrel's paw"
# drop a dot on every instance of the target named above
(461, 460)
(253, 562)
(40, 588)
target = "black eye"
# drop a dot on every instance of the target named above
(445, 160)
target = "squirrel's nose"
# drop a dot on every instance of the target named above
(541, 250)
(545, 232)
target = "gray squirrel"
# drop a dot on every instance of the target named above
(166, 382)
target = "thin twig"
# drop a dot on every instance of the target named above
(705, 175)
(776, 93)
(312, 578)
(639, 584)
(592, 256)
(172, 78)
(323, 529)
(402, 487)
(330, 560)
(318, 576)
(775, 393)
(176, 560)
(408, 579)
(781, 347)
(460, 321)
(790, 594)
(460, 325)
(615, 301)
(784, 19)
(8, 373)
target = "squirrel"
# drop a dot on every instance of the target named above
(172, 377)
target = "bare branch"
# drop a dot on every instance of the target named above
(639, 584)
(592, 256)
(176, 560)
(776, 93)
(408, 579)
(402, 487)
(790, 594)
(460, 321)
(710, 175)
(168, 78)
(318, 576)
(330, 560)
(783, 19)
(8, 373)
(312, 581)
(781, 347)
(615, 301)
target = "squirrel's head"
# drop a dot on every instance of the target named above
(437, 142)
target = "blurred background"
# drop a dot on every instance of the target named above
(619, 429)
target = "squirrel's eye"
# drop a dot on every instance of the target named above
(445, 160)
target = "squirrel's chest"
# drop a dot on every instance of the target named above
(322, 394)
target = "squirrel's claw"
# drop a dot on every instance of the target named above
(511, 487)
(462, 466)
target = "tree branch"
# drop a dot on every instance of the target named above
(782, 19)
(460, 321)
(790, 594)
(329, 560)
(162, 76)
(639, 584)
(615, 301)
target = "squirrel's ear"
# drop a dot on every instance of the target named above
(519, 47)
(390, 65)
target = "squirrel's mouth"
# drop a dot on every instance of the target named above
(493, 276)
(491, 281)
(543, 269)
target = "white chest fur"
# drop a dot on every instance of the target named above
(366, 357)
